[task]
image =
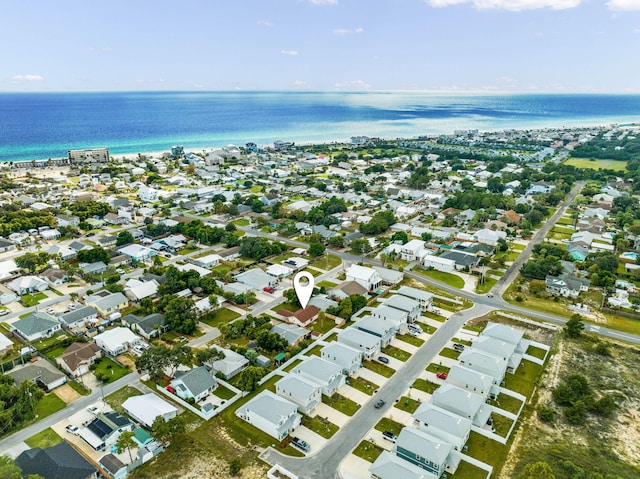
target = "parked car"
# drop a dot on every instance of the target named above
(72, 429)
(72, 306)
(300, 444)
(384, 360)
(489, 295)
(93, 409)
(268, 289)
(458, 347)
(389, 436)
(120, 271)
(50, 311)
(379, 404)
(441, 375)
(4, 312)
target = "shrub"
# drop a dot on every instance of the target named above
(576, 413)
(603, 349)
(519, 299)
(547, 414)
(235, 466)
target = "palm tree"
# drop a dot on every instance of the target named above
(125, 441)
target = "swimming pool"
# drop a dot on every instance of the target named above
(629, 255)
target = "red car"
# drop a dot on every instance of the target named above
(268, 289)
(441, 375)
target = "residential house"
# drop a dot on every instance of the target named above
(577, 252)
(35, 326)
(138, 252)
(7, 296)
(508, 334)
(208, 261)
(389, 276)
(395, 317)
(27, 284)
(107, 241)
(438, 263)
(425, 451)
(194, 384)
(117, 340)
(6, 345)
(62, 251)
(407, 305)
(78, 357)
(137, 290)
(54, 276)
(368, 344)
(348, 358)
(346, 289)
(384, 330)
(324, 373)
(147, 407)
(271, 414)
(78, 318)
(305, 393)
(291, 333)
(412, 250)
(40, 372)
(463, 261)
(566, 285)
(256, 278)
(500, 348)
(97, 267)
(474, 381)
(489, 237)
(462, 402)
(50, 234)
(149, 326)
(366, 277)
(6, 245)
(104, 430)
(422, 297)
(67, 220)
(390, 466)
(442, 424)
(147, 194)
(113, 466)
(61, 461)
(231, 364)
(484, 363)
(79, 246)
(107, 303)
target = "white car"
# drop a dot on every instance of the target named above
(50, 311)
(73, 429)
(72, 306)
(93, 409)
(120, 271)
(4, 312)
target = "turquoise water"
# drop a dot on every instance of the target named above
(46, 125)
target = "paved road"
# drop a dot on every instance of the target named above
(511, 273)
(325, 463)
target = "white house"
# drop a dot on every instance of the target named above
(444, 425)
(407, 305)
(368, 344)
(385, 331)
(117, 340)
(348, 358)
(424, 298)
(147, 194)
(305, 393)
(411, 251)
(324, 373)
(489, 237)
(35, 326)
(366, 277)
(396, 318)
(27, 284)
(441, 264)
(147, 407)
(271, 414)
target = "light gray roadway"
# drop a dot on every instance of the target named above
(325, 463)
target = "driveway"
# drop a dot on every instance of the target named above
(316, 441)
(369, 375)
(332, 415)
(353, 394)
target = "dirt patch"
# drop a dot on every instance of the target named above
(66, 393)
(531, 331)
(126, 361)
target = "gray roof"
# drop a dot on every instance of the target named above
(197, 380)
(40, 370)
(111, 463)
(504, 332)
(148, 323)
(424, 445)
(34, 323)
(297, 386)
(356, 336)
(61, 461)
(483, 362)
(441, 422)
(387, 312)
(374, 325)
(461, 258)
(290, 332)
(78, 314)
(319, 368)
(494, 346)
(92, 267)
(473, 380)
(453, 398)
(270, 407)
(415, 293)
(402, 303)
(110, 301)
(342, 352)
(388, 466)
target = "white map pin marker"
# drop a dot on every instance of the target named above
(303, 290)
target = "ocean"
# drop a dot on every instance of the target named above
(46, 125)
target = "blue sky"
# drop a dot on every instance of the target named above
(326, 45)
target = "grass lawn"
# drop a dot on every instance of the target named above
(326, 284)
(286, 306)
(320, 426)
(396, 353)
(434, 316)
(424, 385)
(386, 424)
(108, 370)
(486, 285)
(468, 471)
(466, 342)
(44, 439)
(525, 378)
(315, 351)
(116, 399)
(501, 424)
(615, 165)
(536, 352)
(79, 388)
(292, 365)
(323, 326)
(224, 392)
(327, 262)
(29, 300)
(447, 278)
(49, 404)
(363, 385)
(449, 353)
(379, 368)
(220, 316)
(485, 449)
(341, 403)
(54, 353)
(508, 403)
(437, 368)
(407, 404)
(313, 271)
(241, 222)
(410, 340)
(187, 250)
(332, 337)
(368, 451)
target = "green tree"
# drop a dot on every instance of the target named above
(126, 441)
(537, 470)
(9, 469)
(32, 261)
(209, 356)
(180, 315)
(400, 236)
(574, 326)
(250, 377)
(166, 431)
(124, 238)
(360, 246)
(235, 465)
(316, 249)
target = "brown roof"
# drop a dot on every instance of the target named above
(351, 287)
(54, 273)
(512, 216)
(77, 353)
(307, 314)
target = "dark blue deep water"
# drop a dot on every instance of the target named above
(46, 125)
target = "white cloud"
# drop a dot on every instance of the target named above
(353, 85)
(199, 86)
(300, 85)
(291, 53)
(514, 5)
(623, 4)
(265, 23)
(506, 79)
(151, 80)
(637, 30)
(28, 78)
(323, 2)
(346, 31)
